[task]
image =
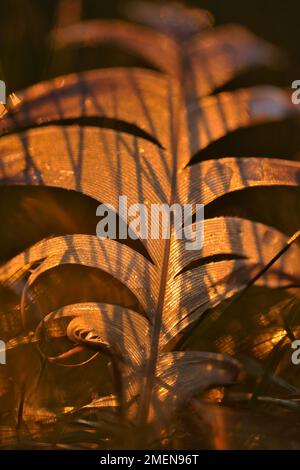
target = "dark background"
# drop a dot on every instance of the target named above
(26, 56)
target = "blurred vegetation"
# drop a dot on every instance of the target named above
(26, 55)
